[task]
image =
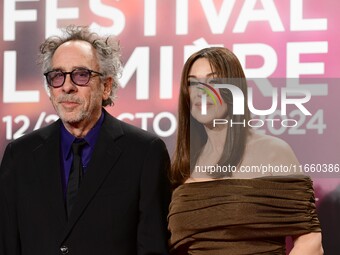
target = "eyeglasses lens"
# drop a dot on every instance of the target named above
(80, 77)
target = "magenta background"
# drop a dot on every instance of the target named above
(310, 148)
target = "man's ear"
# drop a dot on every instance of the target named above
(107, 87)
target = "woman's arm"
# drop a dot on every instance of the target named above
(307, 244)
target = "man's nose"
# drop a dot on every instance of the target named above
(68, 85)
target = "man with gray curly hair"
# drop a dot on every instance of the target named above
(88, 183)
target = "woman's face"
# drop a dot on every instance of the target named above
(201, 84)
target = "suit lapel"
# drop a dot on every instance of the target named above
(105, 155)
(48, 162)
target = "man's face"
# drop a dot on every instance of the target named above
(78, 106)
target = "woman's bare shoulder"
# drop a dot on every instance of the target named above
(267, 142)
(266, 150)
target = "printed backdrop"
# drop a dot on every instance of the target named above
(296, 39)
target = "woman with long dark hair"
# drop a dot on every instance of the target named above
(217, 207)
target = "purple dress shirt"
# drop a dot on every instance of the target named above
(66, 139)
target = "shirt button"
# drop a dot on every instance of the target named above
(64, 249)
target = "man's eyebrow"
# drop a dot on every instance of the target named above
(59, 68)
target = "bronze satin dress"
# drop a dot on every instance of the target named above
(241, 216)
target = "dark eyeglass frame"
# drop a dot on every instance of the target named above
(50, 83)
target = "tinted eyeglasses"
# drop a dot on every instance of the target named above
(80, 77)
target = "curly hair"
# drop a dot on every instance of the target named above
(107, 51)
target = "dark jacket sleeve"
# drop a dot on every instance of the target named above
(9, 237)
(154, 201)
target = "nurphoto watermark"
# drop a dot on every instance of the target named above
(285, 108)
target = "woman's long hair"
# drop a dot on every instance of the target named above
(189, 135)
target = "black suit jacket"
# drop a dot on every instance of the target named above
(121, 206)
